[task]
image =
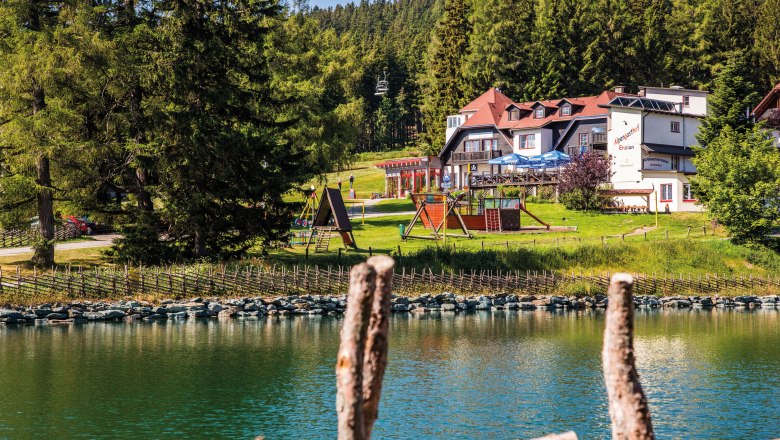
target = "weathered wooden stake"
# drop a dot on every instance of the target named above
(375, 357)
(627, 402)
(349, 363)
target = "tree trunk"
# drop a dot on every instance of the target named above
(43, 255)
(627, 403)
(200, 245)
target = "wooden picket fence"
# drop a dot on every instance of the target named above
(24, 237)
(259, 280)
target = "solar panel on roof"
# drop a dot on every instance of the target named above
(644, 103)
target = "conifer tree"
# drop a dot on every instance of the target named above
(222, 162)
(558, 46)
(731, 101)
(768, 39)
(39, 122)
(444, 86)
(499, 55)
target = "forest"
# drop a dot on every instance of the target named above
(186, 122)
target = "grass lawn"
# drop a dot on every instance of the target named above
(682, 242)
(597, 244)
(75, 257)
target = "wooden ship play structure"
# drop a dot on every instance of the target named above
(331, 218)
(501, 214)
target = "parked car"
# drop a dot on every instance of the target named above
(83, 223)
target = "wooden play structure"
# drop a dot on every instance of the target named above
(503, 214)
(308, 211)
(331, 217)
(433, 210)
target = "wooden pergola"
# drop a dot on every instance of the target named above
(644, 194)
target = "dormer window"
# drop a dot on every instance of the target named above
(514, 114)
(539, 113)
(566, 110)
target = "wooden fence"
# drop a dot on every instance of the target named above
(256, 280)
(25, 237)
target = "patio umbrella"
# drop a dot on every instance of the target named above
(556, 155)
(509, 159)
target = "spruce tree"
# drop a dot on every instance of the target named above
(499, 53)
(444, 92)
(768, 39)
(731, 101)
(222, 162)
(558, 46)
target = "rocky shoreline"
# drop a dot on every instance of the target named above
(89, 311)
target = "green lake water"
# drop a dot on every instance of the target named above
(707, 374)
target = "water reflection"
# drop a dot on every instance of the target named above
(707, 373)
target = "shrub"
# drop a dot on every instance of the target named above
(581, 179)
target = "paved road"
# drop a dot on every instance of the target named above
(99, 240)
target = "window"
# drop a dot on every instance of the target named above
(514, 114)
(472, 146)
(583, 139)
(539, 113)
(687, 194)
(675, 163)
(527, 141)
(686, 101)
(453, 121)
(566, 110)
(666, 192)
(489, 144)
(675, 127)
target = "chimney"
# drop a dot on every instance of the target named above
(620, 89)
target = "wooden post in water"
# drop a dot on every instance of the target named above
(627, 402)
(375, 357)
(362, 355)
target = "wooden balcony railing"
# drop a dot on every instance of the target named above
(475, 156)
(531, 177)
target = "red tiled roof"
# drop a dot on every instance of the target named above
(487, 115)
(492, 96)
(768, 101)
(589, 107)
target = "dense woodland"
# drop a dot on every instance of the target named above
(187, 121)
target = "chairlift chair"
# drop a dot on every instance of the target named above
(382, 85)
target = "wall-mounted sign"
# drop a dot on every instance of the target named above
(473, 168)
(624, 137)
(657, 163)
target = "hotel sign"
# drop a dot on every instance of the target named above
(657, 163)
(624, 137)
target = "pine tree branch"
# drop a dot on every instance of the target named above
(16, 205)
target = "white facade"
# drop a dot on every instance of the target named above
(691, 102)
(651, 150)
(542, 141)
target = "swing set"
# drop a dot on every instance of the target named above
(434, 211)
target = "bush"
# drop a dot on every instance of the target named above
(581, 179)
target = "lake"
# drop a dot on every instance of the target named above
(707, 374)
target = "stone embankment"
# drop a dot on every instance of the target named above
(86, 311)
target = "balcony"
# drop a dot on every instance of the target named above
(474, 156)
